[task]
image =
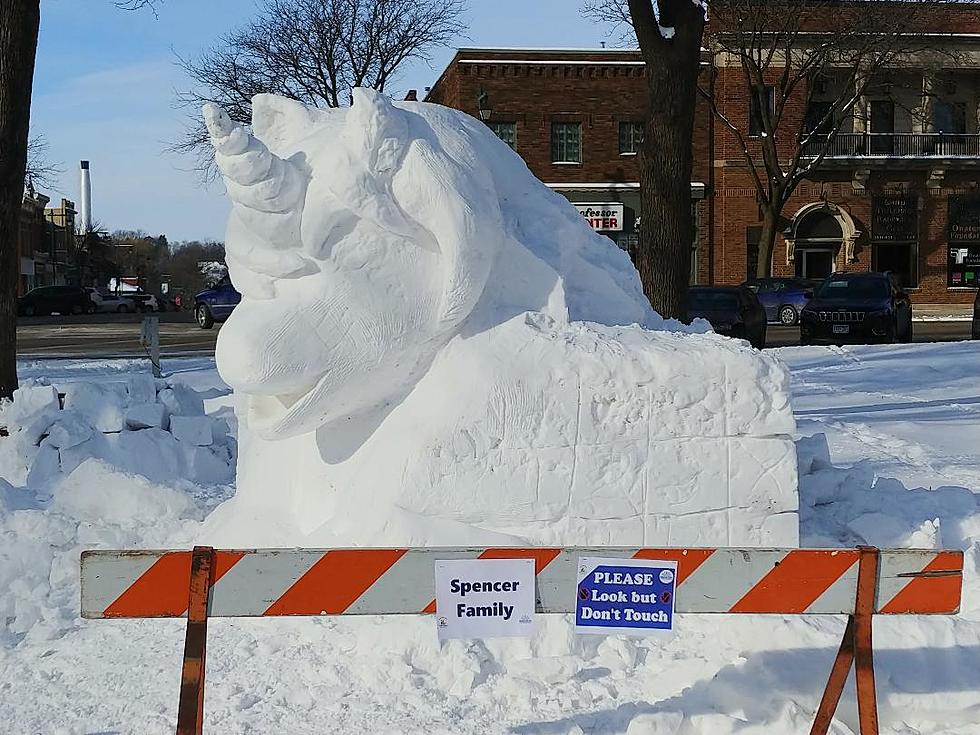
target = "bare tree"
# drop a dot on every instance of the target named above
(41, 171)
(19, 23)
(819, 56)
(314, 51)
(807, 65)
(669, 36)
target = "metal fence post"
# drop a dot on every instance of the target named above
(190, 710)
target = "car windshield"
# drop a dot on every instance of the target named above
(844, 289)
(704, 300)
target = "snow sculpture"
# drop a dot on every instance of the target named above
(433, 347)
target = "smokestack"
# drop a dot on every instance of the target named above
(86, 196)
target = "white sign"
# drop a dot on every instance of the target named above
(627, 596)
(484, 598)
(603, 217)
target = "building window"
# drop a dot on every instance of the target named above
(756, 126)
(895, 237)
(818, 118)
(506, 131)
(566, 142)
(630, 137)
(949, 117)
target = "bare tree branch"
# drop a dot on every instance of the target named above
(41, 171)
(314, 51)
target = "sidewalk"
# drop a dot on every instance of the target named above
(942, 312)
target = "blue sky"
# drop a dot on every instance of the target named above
(104, 91)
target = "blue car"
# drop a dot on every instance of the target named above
(782, 298)
(215, 304)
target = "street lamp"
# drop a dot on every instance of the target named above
(483, 104)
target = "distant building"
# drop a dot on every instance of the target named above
(49, 253)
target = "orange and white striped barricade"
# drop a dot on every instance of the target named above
(207, 583)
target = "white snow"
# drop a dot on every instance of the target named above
(427, 327)
(194, 430)
(889, 442)
(432, 349)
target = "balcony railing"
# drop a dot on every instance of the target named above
(896, 145)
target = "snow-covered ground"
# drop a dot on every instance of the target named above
(889, 446)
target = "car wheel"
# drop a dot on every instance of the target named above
(28, 310)
(205, 320)
(787, 316)
(122, 309)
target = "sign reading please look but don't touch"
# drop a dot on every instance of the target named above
(484, 598)
(631, 596)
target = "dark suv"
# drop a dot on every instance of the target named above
(50, 299)
(857, 308)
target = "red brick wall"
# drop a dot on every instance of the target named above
(599, 95)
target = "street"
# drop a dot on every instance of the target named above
(110, 335)
(931, 331)
(117, 335)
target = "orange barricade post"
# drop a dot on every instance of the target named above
(859, 583)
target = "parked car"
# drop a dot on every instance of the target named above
(732, 310)
(141, 300)
(782, 298)
(55, 299)
(106, 302)
(857, 308)
(215, 304)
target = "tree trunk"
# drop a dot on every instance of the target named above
(767, 241)
(19, 21)
(663, 258)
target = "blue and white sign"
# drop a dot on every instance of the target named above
(629, 596)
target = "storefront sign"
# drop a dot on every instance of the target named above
(628, 596)
(484, 598)
(963, 260)
(895, 219)
(603, 217)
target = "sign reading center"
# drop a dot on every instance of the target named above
(603, 217)
(484, 598)
(631, 596)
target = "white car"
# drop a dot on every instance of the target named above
(126, 302)
(106, 302)
(140, 301)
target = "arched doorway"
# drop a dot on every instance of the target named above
(820, 239)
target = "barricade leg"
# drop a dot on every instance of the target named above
(856, 648)
(864, 671)
(190, 710)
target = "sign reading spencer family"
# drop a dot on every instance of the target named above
(603, 217)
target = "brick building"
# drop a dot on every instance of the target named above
(49, 253)
(898, 191)
(576, 117)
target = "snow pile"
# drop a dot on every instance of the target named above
(156, 429)
(425, 325)
(43, 532)
(888, 456)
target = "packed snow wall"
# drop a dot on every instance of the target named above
(434, 348)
